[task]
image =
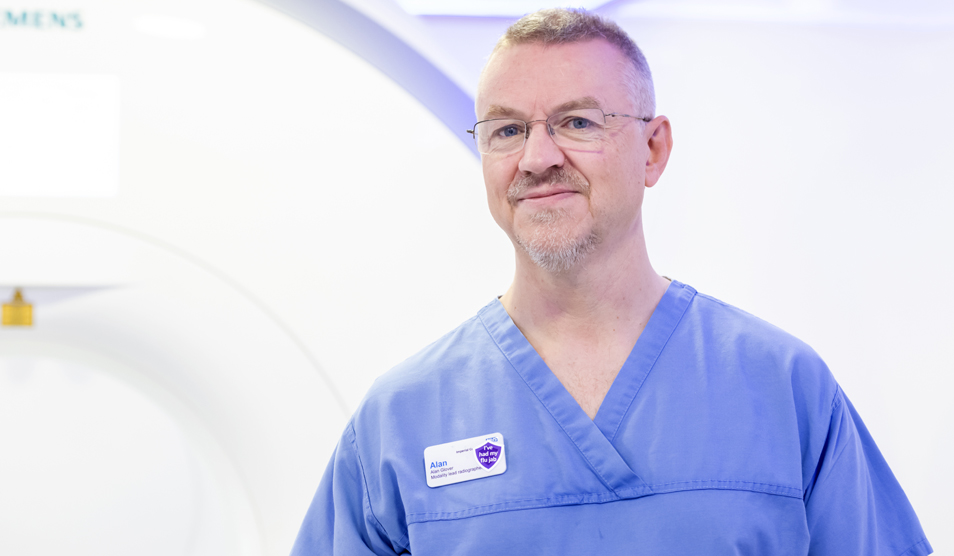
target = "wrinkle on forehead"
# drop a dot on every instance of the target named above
(520, 66)
(495, 111)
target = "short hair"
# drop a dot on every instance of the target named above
(562, 26)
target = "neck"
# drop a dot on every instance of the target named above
(613, 290)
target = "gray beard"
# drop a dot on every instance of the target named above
(549, 247)
(552, 248)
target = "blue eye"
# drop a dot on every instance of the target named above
(508, 131)
(580, 123)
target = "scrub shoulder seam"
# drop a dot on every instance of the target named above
(402, 540)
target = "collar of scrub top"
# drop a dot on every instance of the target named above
(594, 437)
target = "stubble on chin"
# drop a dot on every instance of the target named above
(549, 242)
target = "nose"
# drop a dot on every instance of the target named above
(540, 153)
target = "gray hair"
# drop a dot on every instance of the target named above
(562, 26)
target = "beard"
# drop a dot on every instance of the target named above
(549, 244)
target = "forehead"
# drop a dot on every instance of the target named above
(529, 80)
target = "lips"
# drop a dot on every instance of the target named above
(541, 194)
(538, 196)
(554, 184)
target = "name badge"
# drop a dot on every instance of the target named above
(465, 460)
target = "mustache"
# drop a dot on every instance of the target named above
(559, 175)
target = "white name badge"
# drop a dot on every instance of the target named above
(465, 460)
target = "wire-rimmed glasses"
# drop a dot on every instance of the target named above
(578, 129)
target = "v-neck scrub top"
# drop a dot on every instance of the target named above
(721, 435)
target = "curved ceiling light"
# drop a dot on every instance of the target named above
(930, 14)
(395, 58)
(486, 8)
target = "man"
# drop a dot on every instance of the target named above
(597, 407)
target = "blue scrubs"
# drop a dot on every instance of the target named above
(721, 435)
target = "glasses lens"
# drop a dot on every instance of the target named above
(500, 136)
(573, 127)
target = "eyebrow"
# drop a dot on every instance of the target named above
(585, 102)
(495, 111)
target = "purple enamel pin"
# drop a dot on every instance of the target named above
(488, 455)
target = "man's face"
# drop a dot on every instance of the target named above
(558, 205)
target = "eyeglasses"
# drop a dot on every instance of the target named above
(580, 129)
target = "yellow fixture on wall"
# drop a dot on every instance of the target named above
(17, 312)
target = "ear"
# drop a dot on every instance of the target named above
(659, 141)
